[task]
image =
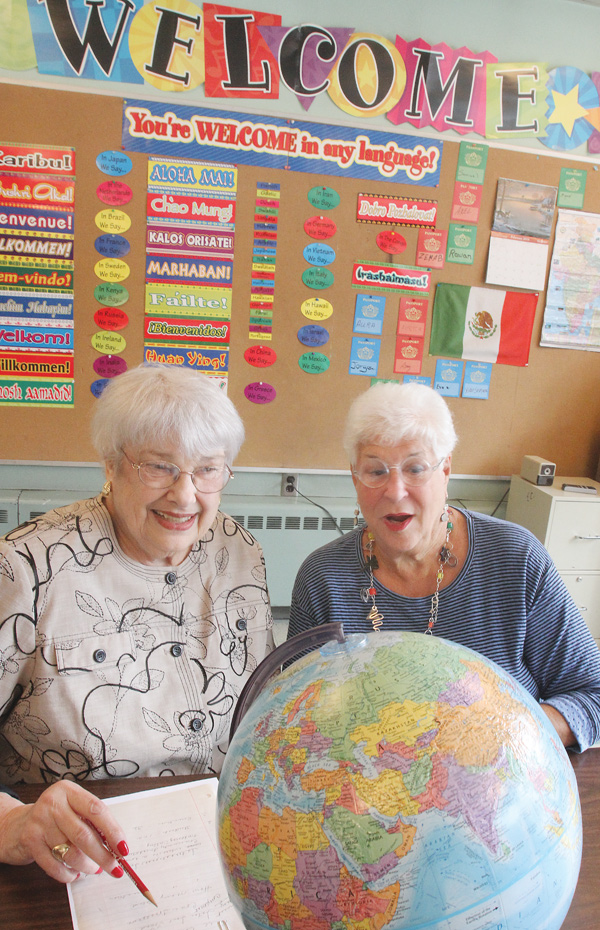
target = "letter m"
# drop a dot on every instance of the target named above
(460, 82)
(73, 46)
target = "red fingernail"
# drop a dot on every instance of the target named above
(123, 848)
(99, 872)
(117, 872)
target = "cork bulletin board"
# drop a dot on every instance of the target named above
(550, 408)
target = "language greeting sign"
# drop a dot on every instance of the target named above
(244, 139)
(388, 210)
(208, 360)
(390, 277)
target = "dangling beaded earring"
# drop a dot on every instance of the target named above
(356, 514)
(106, 488)
(445, 515)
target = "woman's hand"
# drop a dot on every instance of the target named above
(64, 814)
(560, 725)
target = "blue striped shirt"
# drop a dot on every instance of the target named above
(507, 602)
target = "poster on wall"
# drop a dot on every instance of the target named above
(214, 135)
(519, 242)
(572, 312)
(37, 261)
(190, 232)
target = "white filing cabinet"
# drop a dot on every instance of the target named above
(568, 524)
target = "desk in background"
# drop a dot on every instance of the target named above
(30, 900)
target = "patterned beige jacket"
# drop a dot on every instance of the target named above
(109, 668)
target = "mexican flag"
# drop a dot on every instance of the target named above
(482, 324)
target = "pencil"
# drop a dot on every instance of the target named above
(129, 871)
(135, 879)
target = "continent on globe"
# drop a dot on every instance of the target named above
(397, 780)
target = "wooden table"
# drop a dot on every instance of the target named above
(30, 900)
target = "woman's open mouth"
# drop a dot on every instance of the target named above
(398, 520)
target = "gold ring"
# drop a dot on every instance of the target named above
(59, 852)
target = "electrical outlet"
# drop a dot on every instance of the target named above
(289, 485)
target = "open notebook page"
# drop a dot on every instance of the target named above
(172, 838)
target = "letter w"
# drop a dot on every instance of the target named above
(95, 38)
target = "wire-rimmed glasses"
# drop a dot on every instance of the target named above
(375, 473)
(209, 478)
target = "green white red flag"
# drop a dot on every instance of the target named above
(482, 324)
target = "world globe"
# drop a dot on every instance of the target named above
(398, 780)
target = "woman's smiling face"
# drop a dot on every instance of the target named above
(404, 518)
(159, 525)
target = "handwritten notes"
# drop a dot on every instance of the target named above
(171, 833)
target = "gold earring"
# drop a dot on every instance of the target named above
(356, 514)
(106, 488)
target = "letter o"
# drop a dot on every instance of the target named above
(363, 54)
(260, 137)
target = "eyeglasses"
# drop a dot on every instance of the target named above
(206, 478)
(414, 471)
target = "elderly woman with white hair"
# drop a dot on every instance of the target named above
(418, 564)
(129, 623)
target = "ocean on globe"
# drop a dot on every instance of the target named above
(398, 780)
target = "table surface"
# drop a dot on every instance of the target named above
(30, 900)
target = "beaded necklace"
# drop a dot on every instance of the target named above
(375, 617)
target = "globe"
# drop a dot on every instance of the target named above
(398, 780)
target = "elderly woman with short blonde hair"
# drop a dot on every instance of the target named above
(418, 564)
(129, 622)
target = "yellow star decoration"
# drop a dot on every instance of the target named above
(567, 109)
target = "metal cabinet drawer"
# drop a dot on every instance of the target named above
(573, 538)
(585, 591)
